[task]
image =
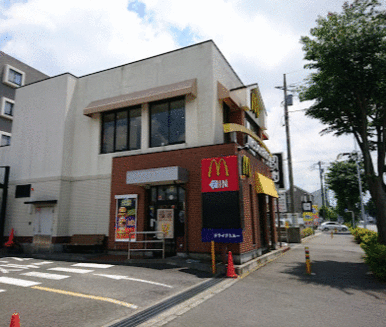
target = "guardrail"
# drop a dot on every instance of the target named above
(146, 241)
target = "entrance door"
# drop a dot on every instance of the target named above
(169, 197)
(43, 225)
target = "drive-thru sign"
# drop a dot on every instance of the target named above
(221, 200)
(219, 174)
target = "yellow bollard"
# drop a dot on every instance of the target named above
(213, 259)
(308, 262)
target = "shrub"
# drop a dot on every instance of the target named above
(375, 258)
(375, 253)
(307, 232)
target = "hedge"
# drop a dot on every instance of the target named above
(375, 253)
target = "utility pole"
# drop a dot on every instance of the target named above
(321, 182)
(289, 156)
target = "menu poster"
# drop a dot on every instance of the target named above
(165, 222)
(126, 218)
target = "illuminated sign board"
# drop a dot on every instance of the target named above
(219, 174)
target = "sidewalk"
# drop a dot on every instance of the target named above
(339, 292)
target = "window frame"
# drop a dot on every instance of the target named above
(115, 112)
(5, 134)
(2, 112)
(168, 101)
(7, 69)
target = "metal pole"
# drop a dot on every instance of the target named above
(4, 203)
(360, 192)
(278, 221)
(289, 156)
(321, 182)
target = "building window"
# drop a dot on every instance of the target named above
(167, 122)
(7, 107)
(23, 191)
(13, 76)
(121, 130)
(5, 139)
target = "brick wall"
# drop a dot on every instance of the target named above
(190, 159)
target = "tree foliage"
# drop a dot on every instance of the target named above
(342, 178)
(347, 55)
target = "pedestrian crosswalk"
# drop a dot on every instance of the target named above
(33, 269)
(31, 273)
(45, 275)
(18, 282)
(72, 270)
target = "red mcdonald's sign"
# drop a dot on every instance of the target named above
(219, 174)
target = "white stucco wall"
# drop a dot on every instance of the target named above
(57, 149)
(224, 74)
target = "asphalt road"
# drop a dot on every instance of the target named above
(339, 292)
(68, 294)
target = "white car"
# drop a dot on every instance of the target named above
(333, 225)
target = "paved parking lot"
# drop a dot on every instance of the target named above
(64, 294)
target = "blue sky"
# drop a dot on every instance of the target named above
(260, 39)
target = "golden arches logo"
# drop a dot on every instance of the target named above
(218, 166)
(247, 171)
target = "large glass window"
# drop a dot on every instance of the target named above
(167, 122)
(121, 130)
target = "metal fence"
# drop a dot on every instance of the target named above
(146, 241)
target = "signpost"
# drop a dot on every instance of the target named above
(221, 220)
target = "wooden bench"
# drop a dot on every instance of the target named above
(86, 242)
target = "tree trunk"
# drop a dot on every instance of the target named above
(379, 198)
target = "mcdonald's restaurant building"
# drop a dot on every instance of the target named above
(172, 144)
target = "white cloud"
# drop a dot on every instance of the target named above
(260, 39)
(80, 36)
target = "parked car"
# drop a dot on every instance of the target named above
(333, 225)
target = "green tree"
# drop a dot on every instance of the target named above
(328, 213)
(347, 53)
(342, 178)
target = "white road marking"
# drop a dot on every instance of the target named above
(74, 270)
(4, 261)
(2, 291)
(92, 265)
(133, 279)
(45, 275)
(17, 282)
(18, 259)
(14, 265)
(43, 263)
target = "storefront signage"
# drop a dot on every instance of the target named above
(247, 170)
(126, 217)
(308, 219)
(219, 174)
(277, 170)
(234, 235)
(256, 102)
(165, 222)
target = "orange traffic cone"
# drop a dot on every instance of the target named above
(15, 320)
(231, 269)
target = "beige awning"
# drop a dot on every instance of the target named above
(135, 98)
(230, 99)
